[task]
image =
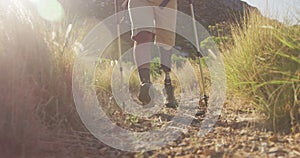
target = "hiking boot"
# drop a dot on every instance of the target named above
(170, 100)
(146, 93)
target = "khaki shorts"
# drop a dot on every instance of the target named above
(153, 19)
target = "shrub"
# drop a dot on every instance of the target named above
(36, 72)
(263, 66)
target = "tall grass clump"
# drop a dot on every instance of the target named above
(22, 54)
(36, 60)
(263, 66)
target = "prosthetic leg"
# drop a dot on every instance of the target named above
(166, 62)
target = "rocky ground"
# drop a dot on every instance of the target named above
(239, 132)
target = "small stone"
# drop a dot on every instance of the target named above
(273, 150)
(183, 144)
(296, 152)
(297, 137)
(210, 152)
(273, 138)
(162, 156)
(272, 155)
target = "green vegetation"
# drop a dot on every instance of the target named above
(263, 65)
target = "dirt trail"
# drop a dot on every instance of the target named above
(237, 133)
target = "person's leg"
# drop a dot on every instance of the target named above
(143, 35)
(165, 38)
(165, 57)
(165, 21)
(142, 54)
(166, 63)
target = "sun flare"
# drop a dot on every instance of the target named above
(50, 10)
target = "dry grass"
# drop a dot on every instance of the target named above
(36, 71)
(263, 66)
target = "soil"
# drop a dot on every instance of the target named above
(239, 132)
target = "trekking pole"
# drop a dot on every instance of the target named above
(119, 46)
(205, 97)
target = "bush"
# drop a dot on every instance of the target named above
(263, 66)
(36, 75)
(155, 67)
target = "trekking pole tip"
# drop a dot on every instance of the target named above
(204, 100)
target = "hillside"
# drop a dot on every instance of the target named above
(208, 12)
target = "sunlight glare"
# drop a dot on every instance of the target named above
(50, 10)
(34, 1)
